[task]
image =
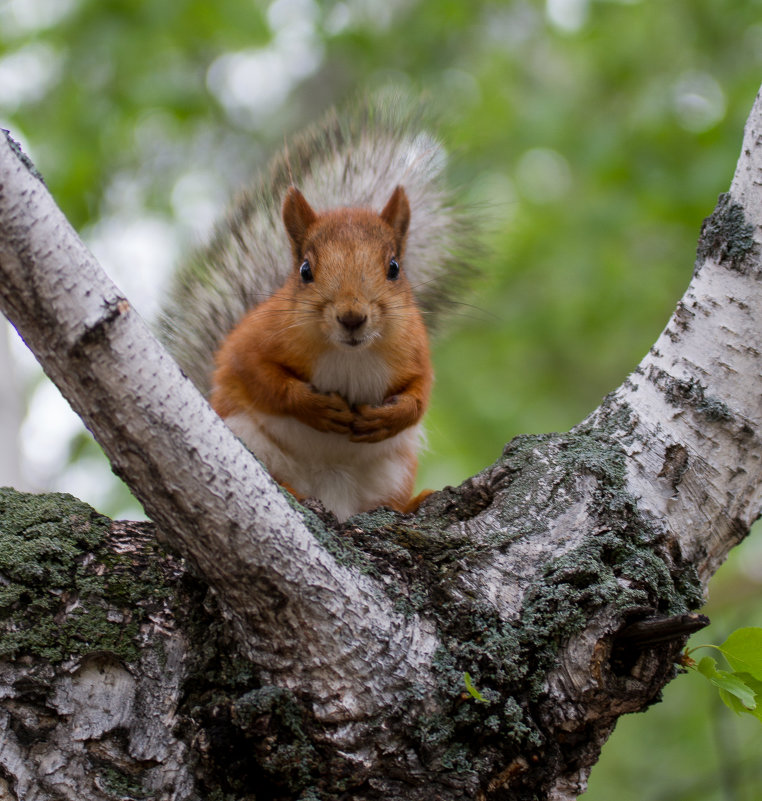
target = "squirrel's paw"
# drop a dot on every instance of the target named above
(330, 412)
(377, 423)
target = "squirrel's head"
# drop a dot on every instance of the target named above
(348, 276)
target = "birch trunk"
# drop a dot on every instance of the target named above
(482, 649)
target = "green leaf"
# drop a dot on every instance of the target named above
(707, 666)
(734, 703)
(472, 690)
(756, 686)
(743, 650)
(728, 682)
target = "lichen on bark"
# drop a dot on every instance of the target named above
(65, 591)
(727, 237)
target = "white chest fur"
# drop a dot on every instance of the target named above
(348, 477)
(360, 376)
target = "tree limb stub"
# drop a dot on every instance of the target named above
(561, 580)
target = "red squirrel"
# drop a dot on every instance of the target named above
(327, 380)
(319, 360)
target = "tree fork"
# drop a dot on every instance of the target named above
(481, 649)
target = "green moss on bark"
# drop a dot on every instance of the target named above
(64, 591)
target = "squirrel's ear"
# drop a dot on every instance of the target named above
(298, 216)
(396, 214)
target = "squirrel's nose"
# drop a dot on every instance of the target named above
(351, 320)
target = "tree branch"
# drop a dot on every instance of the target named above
(695, 453)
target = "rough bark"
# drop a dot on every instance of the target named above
(330, 661)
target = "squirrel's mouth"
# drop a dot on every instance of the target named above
(356, 340)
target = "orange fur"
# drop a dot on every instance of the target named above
(341, 348)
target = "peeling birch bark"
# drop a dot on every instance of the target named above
(562, 580)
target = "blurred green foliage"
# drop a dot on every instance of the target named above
(593, 135)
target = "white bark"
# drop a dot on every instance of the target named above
(96, 700)
(697, 450)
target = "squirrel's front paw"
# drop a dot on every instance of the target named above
(377, 423)
(329, 412)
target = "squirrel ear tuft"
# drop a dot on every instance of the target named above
(396, 214)
(298, 216)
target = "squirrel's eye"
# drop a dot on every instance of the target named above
(393, 273)
(305, 272)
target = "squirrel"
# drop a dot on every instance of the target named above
(305, 329)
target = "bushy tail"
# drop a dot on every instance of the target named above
(355, 158)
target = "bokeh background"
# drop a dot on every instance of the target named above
(595, 135)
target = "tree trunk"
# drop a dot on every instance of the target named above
(481, 649)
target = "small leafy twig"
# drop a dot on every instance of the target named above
(741, 686)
